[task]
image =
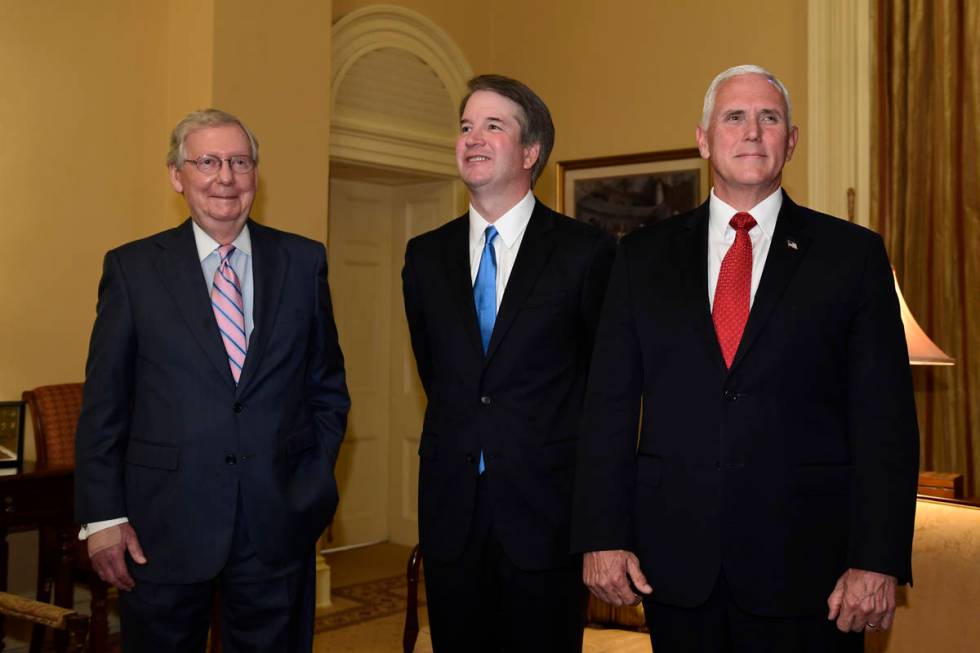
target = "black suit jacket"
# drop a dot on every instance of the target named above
(796, 464)
(521, 402)
(167, 439)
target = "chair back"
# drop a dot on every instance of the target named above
(54, 413)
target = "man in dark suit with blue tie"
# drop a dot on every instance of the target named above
(502, 305)
(214, 408)
(768, 503)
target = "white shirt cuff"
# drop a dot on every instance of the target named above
(96, 526)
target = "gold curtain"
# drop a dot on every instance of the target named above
(926, 144)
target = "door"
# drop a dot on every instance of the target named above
(377, 471)
(418, 208)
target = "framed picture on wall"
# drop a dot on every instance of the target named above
(11, 436)
(622, 193)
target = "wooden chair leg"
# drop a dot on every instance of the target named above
(47, 551)
(77, 627)
(64, 582)
(411, 633)
(99, 628)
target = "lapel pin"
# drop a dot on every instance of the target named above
(792, 244)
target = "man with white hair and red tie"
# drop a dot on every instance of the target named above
(768, 503)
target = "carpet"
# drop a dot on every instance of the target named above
(356, 604)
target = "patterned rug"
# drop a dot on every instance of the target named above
(371, 600)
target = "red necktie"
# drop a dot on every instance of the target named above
(730, 310)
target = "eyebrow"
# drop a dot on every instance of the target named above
(488, 119)
(767, 111)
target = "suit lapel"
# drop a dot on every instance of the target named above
(457, 260)
(786, 251)
(536, 247)
(269, 265)
(180, 269)
(692, 266)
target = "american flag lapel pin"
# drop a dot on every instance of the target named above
(792, 244)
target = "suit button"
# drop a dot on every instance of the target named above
(485, 400)
(238, 407)
(729, 395)
(470, 458)
(230, 460)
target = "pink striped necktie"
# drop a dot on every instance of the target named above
(229, 311)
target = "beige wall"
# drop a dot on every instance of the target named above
(83, 134)
(91, 91)
(272, 67)
(626, 76)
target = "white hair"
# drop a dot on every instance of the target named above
(748, 69)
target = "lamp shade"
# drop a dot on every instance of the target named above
(922, 350)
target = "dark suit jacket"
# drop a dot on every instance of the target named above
(167, 439)
(521, 403)
(796, 464)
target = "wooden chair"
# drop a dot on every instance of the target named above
(54, 414)
(74, 625)
(411, 633)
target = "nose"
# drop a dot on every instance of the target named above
(752, 130)
(474, 137)
(225, 175)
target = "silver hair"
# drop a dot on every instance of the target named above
(198, 120)
(748, 69)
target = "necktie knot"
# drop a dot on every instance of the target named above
(742, 221)
(490, 234)
(225, 252)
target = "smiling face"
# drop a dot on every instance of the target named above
(491, 158)
(219, 203)
(747, 140)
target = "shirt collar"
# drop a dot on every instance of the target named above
(509, 226)
(206, 244)
(765, 213)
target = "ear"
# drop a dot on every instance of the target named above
(175, 179)
(702, 138)
(791, 141)
(531, 153)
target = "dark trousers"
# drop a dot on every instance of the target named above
(262, 609)
(484, 603)
(720, 626)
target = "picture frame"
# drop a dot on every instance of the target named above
(12, 436)
(622, 193)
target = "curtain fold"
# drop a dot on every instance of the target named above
(925, 204)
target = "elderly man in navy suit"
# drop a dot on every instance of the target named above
(768, 504)
(214, 408)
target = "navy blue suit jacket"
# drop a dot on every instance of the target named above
(794, 465)
(165, 436)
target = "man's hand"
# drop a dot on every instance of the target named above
(863, 600)
(608, 575)
(107, 550)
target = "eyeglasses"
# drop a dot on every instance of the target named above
(209, 164)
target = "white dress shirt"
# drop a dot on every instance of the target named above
(207, 253)
(510, 232)
(721, 235)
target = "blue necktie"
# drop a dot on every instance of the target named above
(485, 296)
